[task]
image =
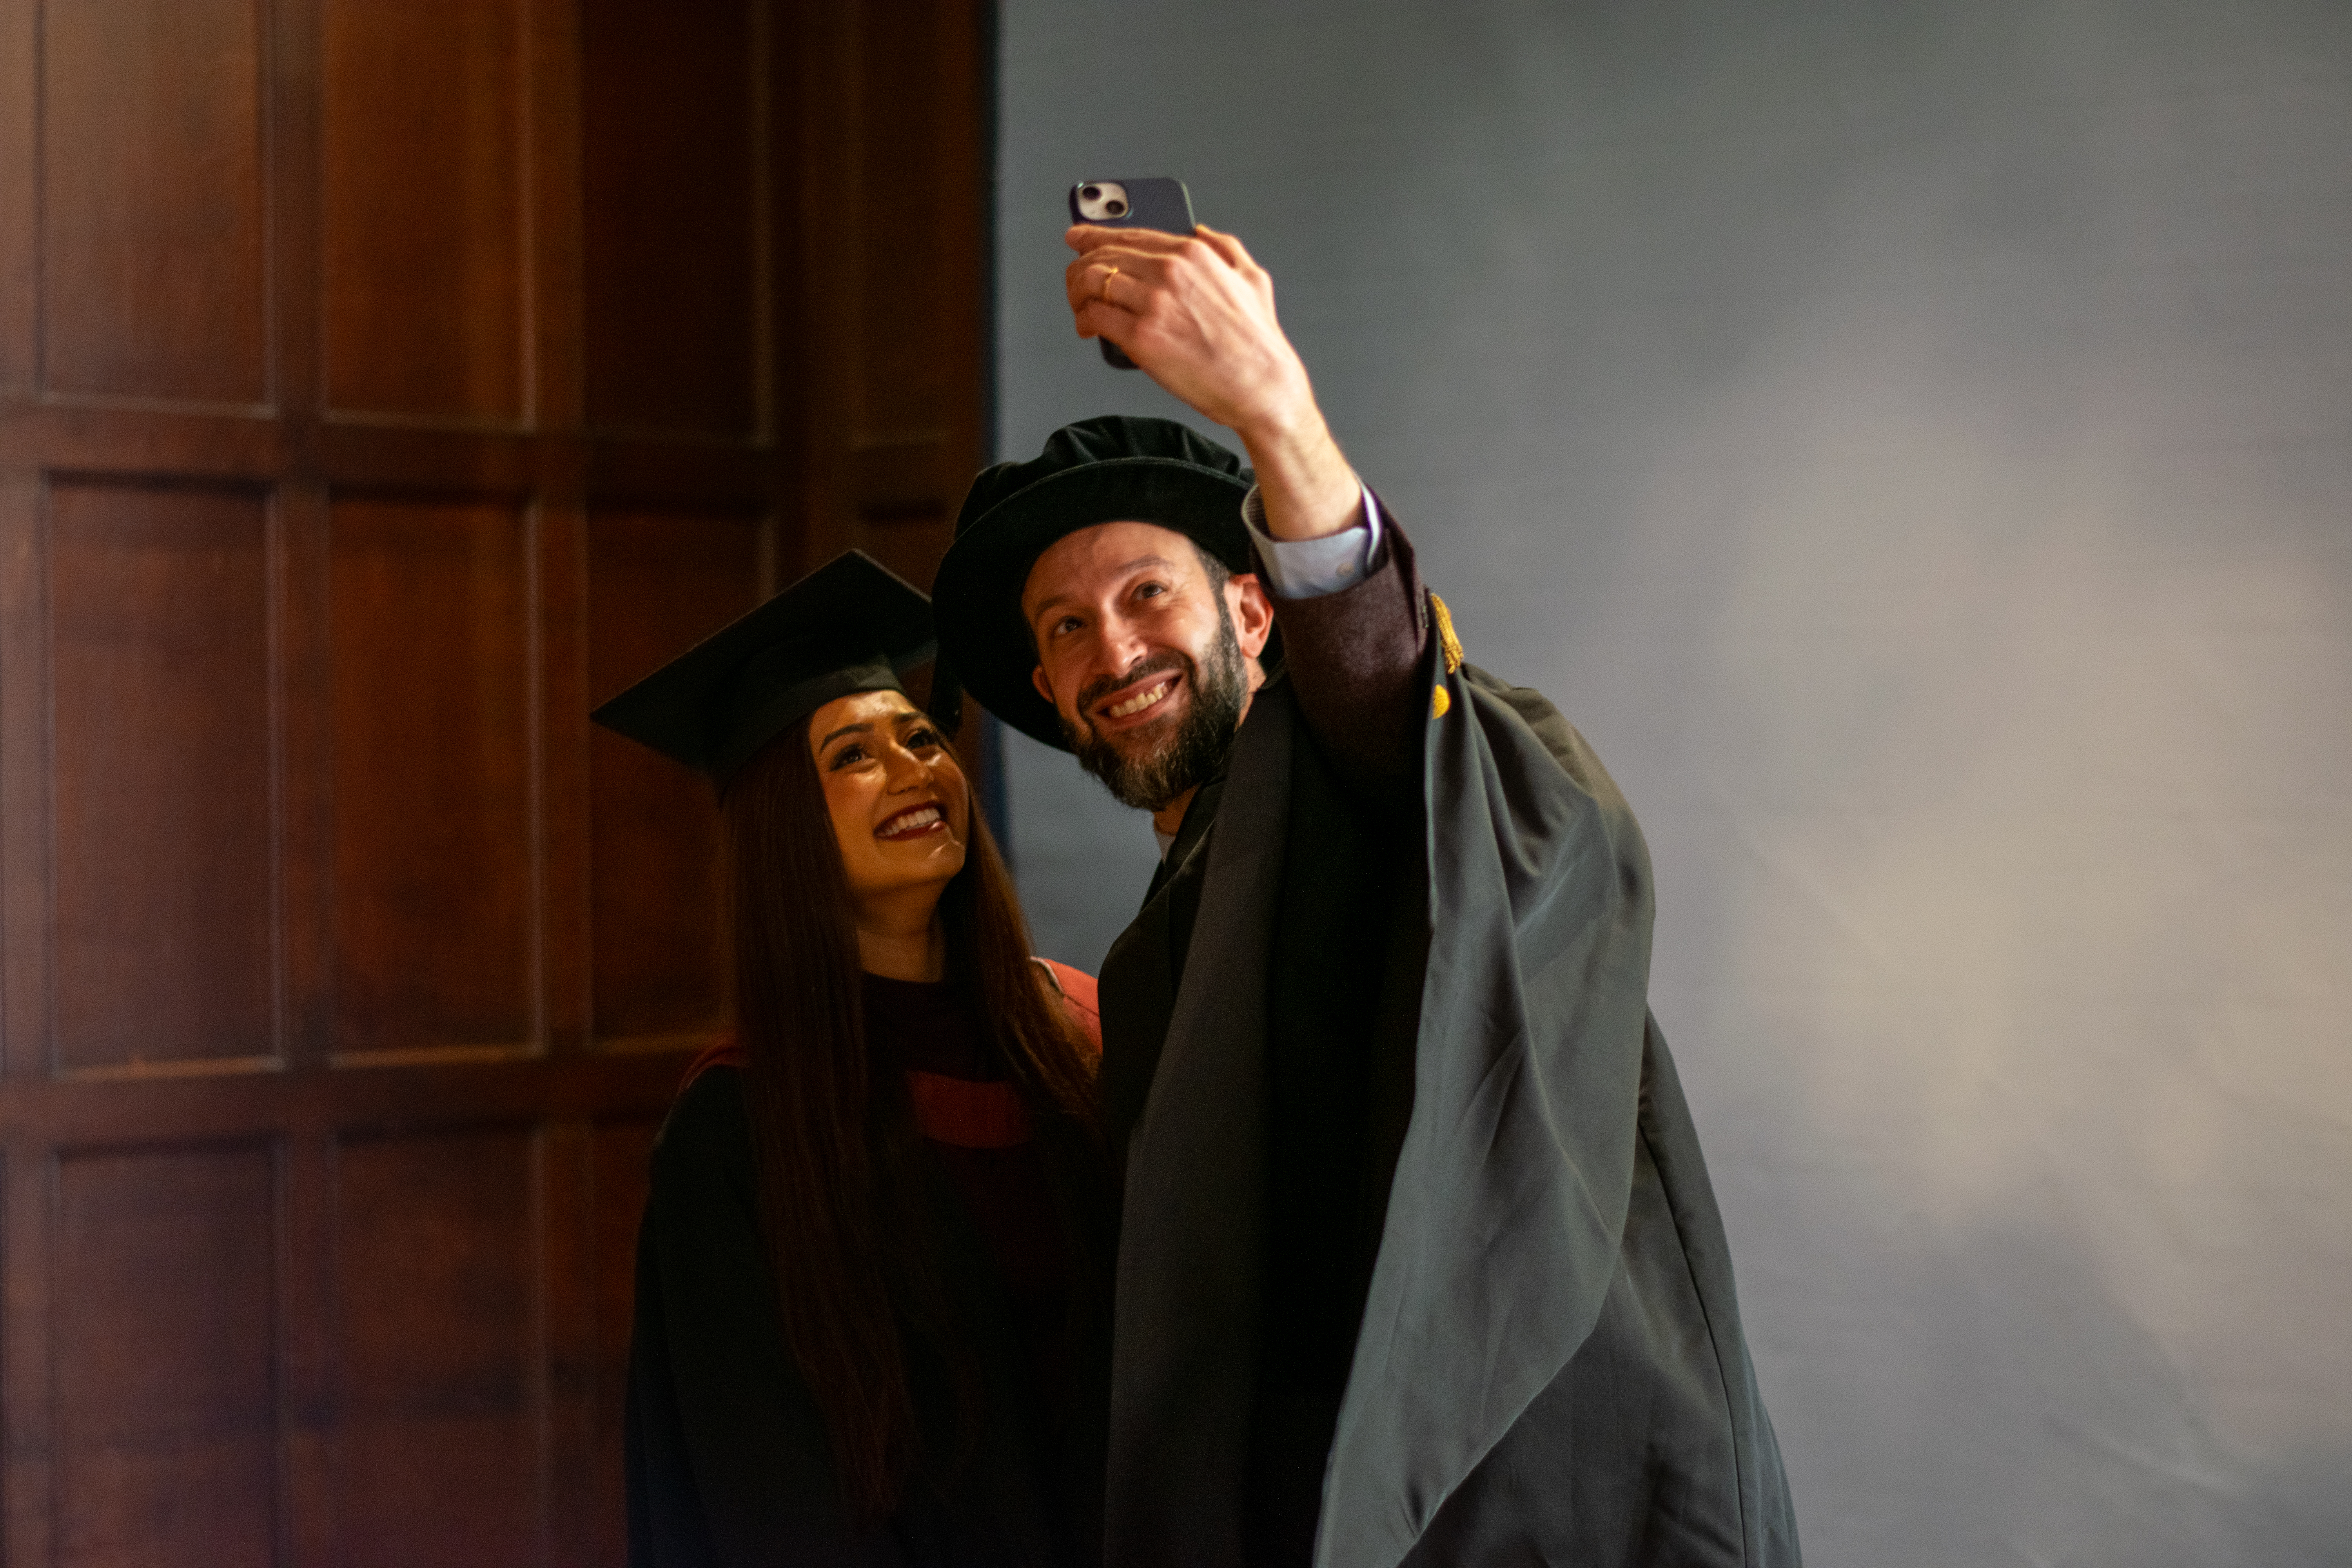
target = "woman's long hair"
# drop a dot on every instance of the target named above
(833, 1139)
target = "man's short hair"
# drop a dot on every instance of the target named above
(1216, 571)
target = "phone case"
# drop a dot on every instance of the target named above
(1161, 203)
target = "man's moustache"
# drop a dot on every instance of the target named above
(1095, 691)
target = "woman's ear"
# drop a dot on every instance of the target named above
(1252, 612)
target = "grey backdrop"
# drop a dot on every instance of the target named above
(1915, 443)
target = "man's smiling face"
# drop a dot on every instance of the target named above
(1149, 661)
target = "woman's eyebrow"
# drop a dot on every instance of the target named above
(858, 728)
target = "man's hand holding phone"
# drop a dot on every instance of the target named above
(1196, 315)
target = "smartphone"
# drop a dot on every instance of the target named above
(1163, 204)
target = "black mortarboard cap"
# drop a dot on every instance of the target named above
(851, 624)
(1115, 468)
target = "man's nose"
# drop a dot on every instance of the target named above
(1120, 643)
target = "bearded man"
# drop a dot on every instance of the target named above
(1419, 1260)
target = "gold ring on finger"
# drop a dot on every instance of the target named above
(1105, 287)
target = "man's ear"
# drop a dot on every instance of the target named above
(1252, 612)
(1045, 688)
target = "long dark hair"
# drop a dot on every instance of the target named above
(835, 1141)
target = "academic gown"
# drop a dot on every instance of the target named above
(728, 1463)
(1419, 1260)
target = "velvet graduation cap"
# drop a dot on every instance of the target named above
(850, 625)
(1114, 468)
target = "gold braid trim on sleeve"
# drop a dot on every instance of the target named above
(1451, 646)
(1446, 637)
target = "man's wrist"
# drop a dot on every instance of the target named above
(1311, 568)
(1289, 421)
(1311, 490)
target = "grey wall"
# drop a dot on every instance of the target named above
(1915, 443)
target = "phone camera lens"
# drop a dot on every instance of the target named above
(1088, 193)
(1116, 209)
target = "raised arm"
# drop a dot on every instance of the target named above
(1196, 313)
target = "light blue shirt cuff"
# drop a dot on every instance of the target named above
(1310, 568)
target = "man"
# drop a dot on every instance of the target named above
(1419, 1260)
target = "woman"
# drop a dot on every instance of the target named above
(872, 1310)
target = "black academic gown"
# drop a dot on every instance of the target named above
(1538, 1341)
(727, 1464)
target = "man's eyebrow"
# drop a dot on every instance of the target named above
(1141, 561)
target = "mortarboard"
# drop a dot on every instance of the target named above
(850, 625)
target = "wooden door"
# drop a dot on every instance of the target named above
(384, 383)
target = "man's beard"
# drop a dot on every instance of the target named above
(1220, 690)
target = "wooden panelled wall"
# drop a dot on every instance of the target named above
(382, 383)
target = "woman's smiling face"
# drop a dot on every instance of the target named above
(901, 810)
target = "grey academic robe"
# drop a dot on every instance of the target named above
(1549, 1366)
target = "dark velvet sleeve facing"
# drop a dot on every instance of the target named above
(727, 1466)
(1354, 659)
